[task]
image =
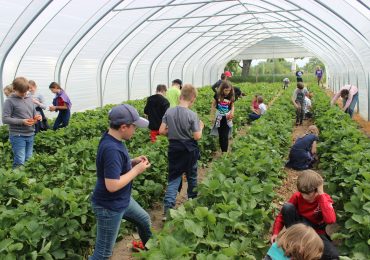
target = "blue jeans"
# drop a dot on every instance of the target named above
(108, 224)
(351, 107)
(254, 116)
(173, 186)
(62, 119)
(22, 147)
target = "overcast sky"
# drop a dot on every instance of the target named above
(299, 62)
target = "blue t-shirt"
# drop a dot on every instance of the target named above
(319, 73)
(277, 253)
(299, 74)
(112, 161)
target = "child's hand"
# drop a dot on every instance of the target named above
(229, 116)
(139, 159)
(37, 118)
(273, 238)
(52, 108)
(201, 124)
(29, 122)
(142, 166)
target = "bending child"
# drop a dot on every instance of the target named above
(296, 242)
(302, 154)
(310, 206)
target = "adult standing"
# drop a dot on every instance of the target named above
(156, 106)
(349, 95)
(173, 93)
(319, 73)
(224, 76)
(299, 75)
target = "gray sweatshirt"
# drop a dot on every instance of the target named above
(15, 110)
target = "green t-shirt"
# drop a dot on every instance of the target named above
(173, 95)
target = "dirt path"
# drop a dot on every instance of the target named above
(123, 249)
(289, 185)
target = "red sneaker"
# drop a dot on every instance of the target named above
(137, 246)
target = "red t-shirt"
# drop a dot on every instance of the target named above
(317, 212)
(255, 104)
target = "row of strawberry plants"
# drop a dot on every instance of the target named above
(233, 211)
(53, 192)
(52, 198)
(345, 162)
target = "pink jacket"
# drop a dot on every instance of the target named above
(352, 91)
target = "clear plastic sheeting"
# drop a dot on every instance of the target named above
(109, 51)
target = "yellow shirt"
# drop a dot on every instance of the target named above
(173, 96)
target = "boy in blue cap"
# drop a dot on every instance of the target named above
(111, 199)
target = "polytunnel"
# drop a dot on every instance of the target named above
(108, 51)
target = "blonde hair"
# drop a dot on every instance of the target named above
(301, 242)
(20, 84)
(312, 129)
(188, 92)
(308, 181)
(8, 90)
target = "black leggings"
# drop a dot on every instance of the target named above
(223, 134)
(291, 217)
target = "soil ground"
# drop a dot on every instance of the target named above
(122, 249)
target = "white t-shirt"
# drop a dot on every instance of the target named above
(262, 108)
(307, 104)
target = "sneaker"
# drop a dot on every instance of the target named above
(137, 246)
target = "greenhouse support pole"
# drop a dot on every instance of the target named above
(14, 42)
(368, 96)
(348, 77)
(358, 88)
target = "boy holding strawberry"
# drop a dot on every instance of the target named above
(19, 112)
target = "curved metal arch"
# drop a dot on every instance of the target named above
(349, 45)
(313, 32)
(178, 53)
(224, 60)
(314, 27)
(156, 37)
(35, 36)
(344, 20)
(168, 46)
(110, 51)
(241, 37)
(37, 14)
(76, 39)
(212, 38)
(231, 55)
